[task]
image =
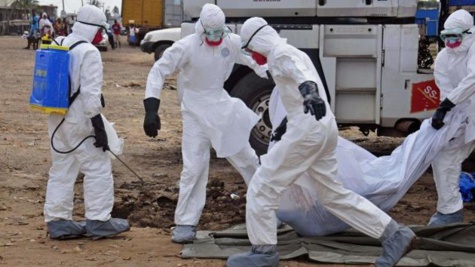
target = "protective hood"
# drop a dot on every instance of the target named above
(264, 40)
(211, 17)
(459, 19)
(88, 21)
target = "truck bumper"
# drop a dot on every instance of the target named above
(147, 47)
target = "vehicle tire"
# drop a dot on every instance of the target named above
(255, 93)
(159, 51)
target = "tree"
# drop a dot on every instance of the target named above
(25, 5)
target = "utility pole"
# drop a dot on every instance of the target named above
(82, 2)
(63, 6)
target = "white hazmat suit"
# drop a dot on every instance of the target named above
(308, 146)
(211, 118)
(455, 76)
(45, 26)
(85, 70)
(383, 181)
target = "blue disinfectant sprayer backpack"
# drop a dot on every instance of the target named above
(51, 82)
(467, 186)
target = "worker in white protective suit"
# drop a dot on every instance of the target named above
(82, 120)
(211, 118)
(455, 76)
(308, 146)
(45, 26)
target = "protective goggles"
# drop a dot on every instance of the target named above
(453, 34)
(215, 34)
(245, 46)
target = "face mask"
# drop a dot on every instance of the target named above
(453, 42)
(213, 43)
(260, 59)
(97, 37)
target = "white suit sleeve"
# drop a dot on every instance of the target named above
(466, 88)
(90, 79)
(166, 65)
(292, 68)
(442, 79)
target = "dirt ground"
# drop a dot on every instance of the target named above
(25, 160)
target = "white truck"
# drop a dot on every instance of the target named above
(364, 50)
(158, 41)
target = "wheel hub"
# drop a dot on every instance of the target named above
(263, 129)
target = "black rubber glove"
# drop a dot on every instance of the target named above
(100, 132)
(312, 101)
(439, 115)
(151, 123)
(103, 102)
(279, 131)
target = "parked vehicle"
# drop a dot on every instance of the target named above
(427, 17)
(152, 15)
(124, 31)
(157, 41)
(366, 53)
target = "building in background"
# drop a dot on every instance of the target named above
(14, 21)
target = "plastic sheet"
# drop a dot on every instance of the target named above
(383, 181)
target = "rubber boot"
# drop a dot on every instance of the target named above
(397, 240)
(66, 229)
(99, 229)
(439, 219)
(262, 255)
(184, 234)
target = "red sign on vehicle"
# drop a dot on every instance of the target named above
(425, 96)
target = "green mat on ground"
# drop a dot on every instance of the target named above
(452, 245)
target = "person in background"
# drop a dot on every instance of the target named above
(58, 27)
(110, 36)
(132, 35)
(82, 120)
(33, 35)
(65, 26)
(116, 27)
(308, 146)
(211, 118)
(454, 74)
(45, 25)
